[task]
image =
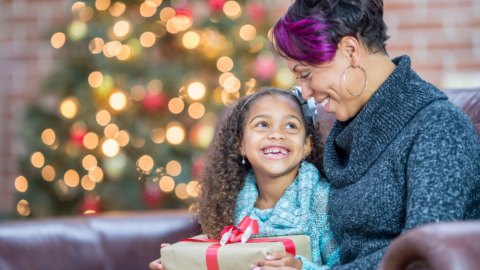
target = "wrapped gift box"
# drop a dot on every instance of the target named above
(232, 256)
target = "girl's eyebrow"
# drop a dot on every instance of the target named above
(260, 115)
(268, 116)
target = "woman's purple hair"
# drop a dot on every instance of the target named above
(311, 29)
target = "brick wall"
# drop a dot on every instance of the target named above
(25, 57)
(441, 36)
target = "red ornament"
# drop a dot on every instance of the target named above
(264, 67)
(216, 5)
(77, 135)
(255, 11)
(197, 166)
(154, 103)
(90, 204)
(152, 195)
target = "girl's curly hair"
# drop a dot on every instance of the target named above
(223, 175)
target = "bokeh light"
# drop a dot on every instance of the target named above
(225, 64)
(23, 208)
(111, 131)
(48, 173)
(175, 134)
(181, 191)
(196, 110)
(232, 9)
(224, 77)
(37, 159)
(112, 48)
(61, 188)
(86, 14)
(95, 79)
(124, 52)
(248, 32)
(158, 135)
(147, 39)
(191, 40)
(96, 45)
(167, 184)
(103, 117)
(138, 141)
(87, 183)
(96, 174)
(102, 4)
(174, 168)
(48, 136)
(90, 141)
(148, 9)
(71, 178)
(58, 39)
(232, 84)
(121, 28)
(159, 28)
(229, 98)
(77, 7)
(118, 101)
(122, 138)
(155, 87)
(196, 90)
(110, 148)
(89, 162)
(137, 92)
(77, 30)
(174, 25)
(167, 13)
(117, 9)
(145, 163)
(21, 184)
(156, 2)
(176, 105)
(192, 188)
(284, 78)
(68, 108)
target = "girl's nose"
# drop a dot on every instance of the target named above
(276, 136)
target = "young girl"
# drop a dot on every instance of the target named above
(266, 163)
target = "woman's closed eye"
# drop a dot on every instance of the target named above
(304, 76)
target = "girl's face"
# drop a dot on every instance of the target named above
(274, 136)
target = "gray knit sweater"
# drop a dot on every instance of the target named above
(408, 158)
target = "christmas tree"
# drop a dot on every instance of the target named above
(123, 121)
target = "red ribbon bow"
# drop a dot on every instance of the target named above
(235, 236)
(240, 233)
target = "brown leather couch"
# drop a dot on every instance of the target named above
(124, 241)
(129, 241)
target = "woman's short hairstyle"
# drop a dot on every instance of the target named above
(311, 29)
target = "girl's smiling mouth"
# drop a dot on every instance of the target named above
(275, 152)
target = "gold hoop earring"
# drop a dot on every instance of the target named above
(345, 84)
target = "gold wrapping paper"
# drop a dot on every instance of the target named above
(236, 256)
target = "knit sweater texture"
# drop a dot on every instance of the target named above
(408, 158)
(302, 209)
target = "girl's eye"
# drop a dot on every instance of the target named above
(262, 124)
(291, 126)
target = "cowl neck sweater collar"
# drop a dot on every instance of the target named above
(291, 214)
(354, 145)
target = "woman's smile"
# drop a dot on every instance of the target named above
(325, 103)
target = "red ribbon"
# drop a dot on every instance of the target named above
(212, 251)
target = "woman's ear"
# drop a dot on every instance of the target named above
(351, 50)
(307, 147)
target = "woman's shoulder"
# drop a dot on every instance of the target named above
(444, 117)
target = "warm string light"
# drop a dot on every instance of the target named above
(71, 178)
(175, 134)
(23, 208)
(111, 131)
(181, 191)
(117, 9)
(158, 135)
(90, 141)
(137, 92)
(196, 110)
(232, 9)
(225, 64)
(167, 184)
(148, 9)
(155, 87)
(58, 40)
(196, 90)
(48, 173)
(48, 136)
(145, 163)
(37, 159)
(103, 118)
(147, 39)
(173, 168)
(176, 105)
(68, 108)
(110, 148)
(96, 45)
(21, 184)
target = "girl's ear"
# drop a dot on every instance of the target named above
(241, 148)
(307, 147)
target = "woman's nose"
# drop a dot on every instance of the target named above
(307, 92)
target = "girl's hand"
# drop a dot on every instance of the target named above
(155, 265)
(278, 260)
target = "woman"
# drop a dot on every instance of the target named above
(400, 155)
